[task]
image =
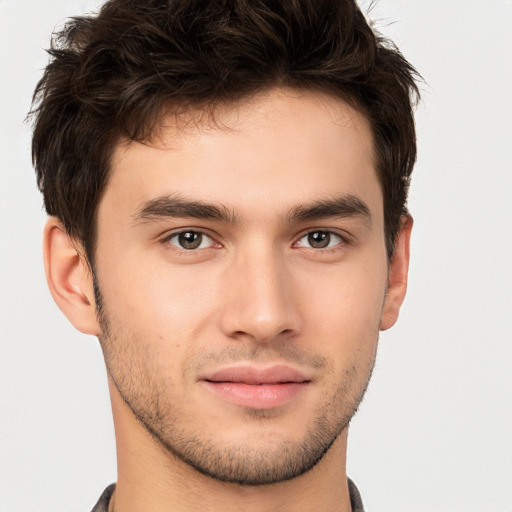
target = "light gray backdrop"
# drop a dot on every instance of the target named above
(435, 431)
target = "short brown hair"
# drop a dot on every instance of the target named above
(113, 74)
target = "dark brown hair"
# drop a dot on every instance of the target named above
(114, 74)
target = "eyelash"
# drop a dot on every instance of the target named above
(342, 241)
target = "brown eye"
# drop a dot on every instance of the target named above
(320, 240)
(190, 240)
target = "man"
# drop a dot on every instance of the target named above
(226, 184)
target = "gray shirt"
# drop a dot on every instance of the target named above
(355, 498)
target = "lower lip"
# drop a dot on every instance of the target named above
(257, 396)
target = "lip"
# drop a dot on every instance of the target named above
(257, 388)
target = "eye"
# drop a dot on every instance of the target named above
(320, 240)
(190, 240)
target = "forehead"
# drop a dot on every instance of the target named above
(277, 149)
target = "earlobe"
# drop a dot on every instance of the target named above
(398, 271)
(69, 278)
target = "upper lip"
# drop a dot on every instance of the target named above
(277, 374)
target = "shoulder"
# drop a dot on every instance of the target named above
(102, 505)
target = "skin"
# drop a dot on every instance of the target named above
(255, 293)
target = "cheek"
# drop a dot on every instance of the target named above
(344, 309)
(159, 307)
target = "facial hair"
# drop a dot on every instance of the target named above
(177, 431)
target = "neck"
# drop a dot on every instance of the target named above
(152, 478)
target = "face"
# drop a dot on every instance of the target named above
(242, 275)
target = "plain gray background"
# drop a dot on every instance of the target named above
(435, 430)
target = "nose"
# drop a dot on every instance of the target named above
(260, 299)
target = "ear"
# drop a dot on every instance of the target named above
(69, 278)
(397, 279)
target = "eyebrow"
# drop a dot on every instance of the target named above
(339, 207)
(178, 207)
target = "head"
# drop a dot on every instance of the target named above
(282, 133)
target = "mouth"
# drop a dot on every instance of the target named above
(257, 388)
